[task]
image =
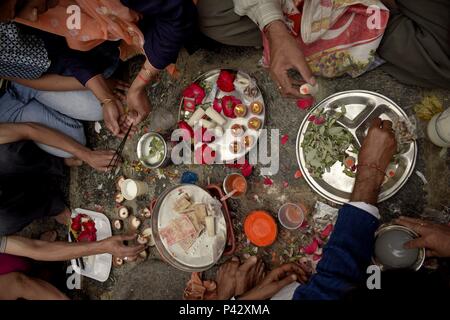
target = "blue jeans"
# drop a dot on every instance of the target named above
(57, 110)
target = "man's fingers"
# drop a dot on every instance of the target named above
(302, 66)
(249, 263)
(128, 237)
(286, 281)
(417, 225)
(122, 85)
(120, 96)
(133, 250)
(387, 125)
(431, 253)
(411, 220)
(285, 86)
(376, 123)
(416, 243)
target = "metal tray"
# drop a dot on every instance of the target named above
(205, 252)
(221, 144)
(362, 107)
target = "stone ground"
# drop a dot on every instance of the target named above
(154, 279)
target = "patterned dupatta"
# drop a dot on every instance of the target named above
(337, 37)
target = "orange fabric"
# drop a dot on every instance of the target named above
(101, 20)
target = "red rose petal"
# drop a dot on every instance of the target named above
(284, 139)
(86, 236)
(217, 105)
(225, 82)
(247, 170)
(311, 248)
(316, 257)
(305, 103)
(188, 131)
(312, 118)
(76, 226)
(319, 121)
(195, 91)
(285, 184)
(268, 181)
(327, 231)
(304, 224)
(204, 155)
(298, 174)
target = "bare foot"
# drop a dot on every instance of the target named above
(249, 274)
(226, 279)
(49, 236)
(64, 217)
(73, 162)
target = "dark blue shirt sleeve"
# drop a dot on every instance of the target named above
(345, 257)
(83, 65)
(167, 25)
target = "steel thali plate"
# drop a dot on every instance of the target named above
(361, 108)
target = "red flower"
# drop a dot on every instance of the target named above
(305, 103)
(86, 236)
(311, 248)
(204, 155)
(189, 104)
(225, 82)
(76, 225)
(196, 92)
(312, 118)
(228, 105)
(188, 133)
(76, 222)
(217, 105)
(298, 174)
(89, 226)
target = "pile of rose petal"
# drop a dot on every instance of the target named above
(314, 249)
(83, 228)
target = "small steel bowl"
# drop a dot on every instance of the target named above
(410, 234)
(142, 149)
(225, 183)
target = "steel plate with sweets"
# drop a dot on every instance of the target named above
(189, 228)
(331, 135)
(230, 105)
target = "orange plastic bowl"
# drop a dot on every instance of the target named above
(260, 228)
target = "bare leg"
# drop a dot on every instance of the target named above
(16, 285)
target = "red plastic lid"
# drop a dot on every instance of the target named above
(260, 228)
